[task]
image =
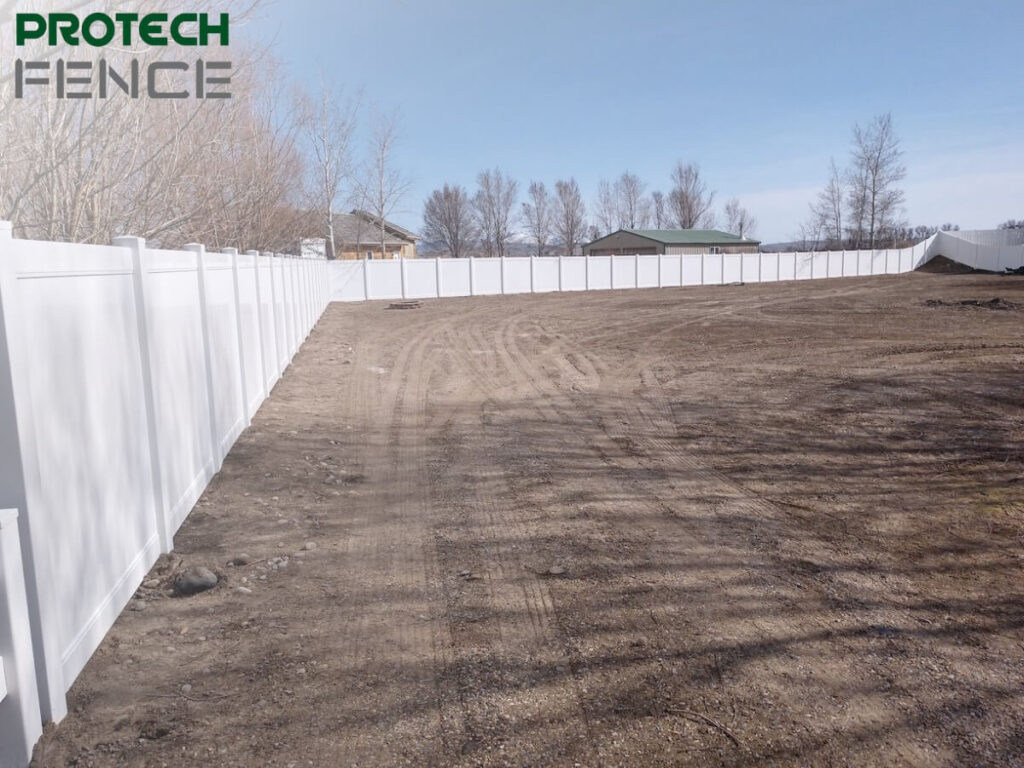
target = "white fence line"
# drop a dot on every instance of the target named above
(126, 374)
(442, 277)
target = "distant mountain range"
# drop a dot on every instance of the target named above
(518, 244)
(791, 246)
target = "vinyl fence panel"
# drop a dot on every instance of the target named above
(126, 373)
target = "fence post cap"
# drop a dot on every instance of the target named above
(232, 251)
(197, 247)
(129, 241)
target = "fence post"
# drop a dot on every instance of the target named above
(437, 274)
(472, 276)
(291, 265)
(702, 268)
(681, 270)
(611, 271)
(275, 289)
(533, 262)
(204, 313)
(233, 253)
(659, 271)
(259, 321)
(501, 270)
(366, 279)
(288, 283)
(161, 505)
(401, 269)
(559, 273)
(586, 271)
(20, 721)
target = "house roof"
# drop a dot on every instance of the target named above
(691, 237)
(360, 227)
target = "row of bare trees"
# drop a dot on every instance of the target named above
(689, 204)
(260, 170)
(483, 222)
(464, 224)
(861, 205)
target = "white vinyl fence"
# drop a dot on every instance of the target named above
(434, 278)
(126, 374)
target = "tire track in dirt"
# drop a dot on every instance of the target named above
(707, 543)
(505, 608)
(547, 399)
(636, 521)
(394, 648)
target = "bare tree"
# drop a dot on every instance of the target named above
(738, 219)
(809, 234)
(875, 198)
(658, 213)
(328, 126)
(690, 201)
(539, 215)
(828, 208)
(253, 182)
(632, 206)
(494, 201)
(448, 217)
(606, 210)
(569, 222)
(383, 185)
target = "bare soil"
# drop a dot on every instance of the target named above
(742, 526)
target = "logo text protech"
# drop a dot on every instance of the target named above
(99, 29)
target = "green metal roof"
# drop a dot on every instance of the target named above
(690, 236)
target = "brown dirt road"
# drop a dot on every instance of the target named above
(742, 525)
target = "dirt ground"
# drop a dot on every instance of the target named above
(743, 525)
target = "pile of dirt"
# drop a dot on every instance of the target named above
(940, 265)
(993, 303)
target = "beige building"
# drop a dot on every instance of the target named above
(670, 241)
(357, 236)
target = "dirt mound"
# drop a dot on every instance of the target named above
(993, 303)
(940, 265)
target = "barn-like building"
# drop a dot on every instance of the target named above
(670, 241)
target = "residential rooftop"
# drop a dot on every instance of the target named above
(691, 236)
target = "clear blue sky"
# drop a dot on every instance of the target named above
(759, 92)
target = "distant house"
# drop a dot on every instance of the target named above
(669, 241)
(357, 236)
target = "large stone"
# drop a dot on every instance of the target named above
(194, 579)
